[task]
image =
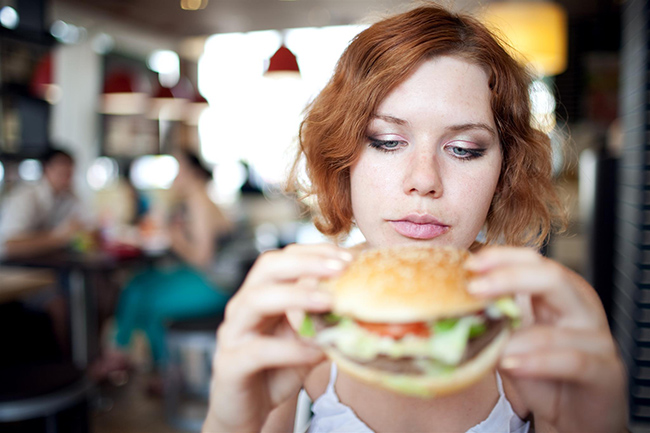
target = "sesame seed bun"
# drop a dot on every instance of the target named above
(405, 284)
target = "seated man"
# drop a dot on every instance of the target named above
(37, 218)
(41, 217)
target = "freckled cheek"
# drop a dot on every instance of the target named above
(482, 190)
(371, 185)
(371, 178)
(360, 183)
(475, 191)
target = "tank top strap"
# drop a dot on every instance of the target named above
(333, 375)
(499, 384)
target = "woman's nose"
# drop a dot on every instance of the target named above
(423, 176)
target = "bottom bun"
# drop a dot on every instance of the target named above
(423, 385)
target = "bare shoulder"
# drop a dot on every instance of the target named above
(221, 221)
(317, 380)
(200, 199)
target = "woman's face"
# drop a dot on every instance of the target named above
(431, 163)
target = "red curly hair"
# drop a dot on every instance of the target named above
(525, 204)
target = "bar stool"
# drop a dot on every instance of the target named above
(191, 345)
(48, 397)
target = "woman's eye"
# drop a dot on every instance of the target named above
(465, 153)
(385, 145)
(459, 151)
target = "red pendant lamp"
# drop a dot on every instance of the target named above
(123, 94)
(170, 103)
(43, 85)
(283, 63)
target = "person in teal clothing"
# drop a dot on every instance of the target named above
(157, 296)
(185, 289)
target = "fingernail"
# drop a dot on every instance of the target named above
(478, 285)
(335, 265)
(511, 363)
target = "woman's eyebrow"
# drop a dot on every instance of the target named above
(389, 119)
(454, 128)
(470, 126)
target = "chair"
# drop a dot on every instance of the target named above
(191, 345)
(45, 397)
(191, 342)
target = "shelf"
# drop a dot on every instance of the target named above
(43, 39)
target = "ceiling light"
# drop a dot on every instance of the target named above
(167, 64)
(9, 17)
(59, 29)
(170, 103)
(42, 84)
(68, 33)
(537, 31)
(30, 170)
(154, 171)
(102, 173)
(193, 5)
(102, 43)
(123, 94)
(283, 62)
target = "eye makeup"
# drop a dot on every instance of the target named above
(464, 152)
(384, 145)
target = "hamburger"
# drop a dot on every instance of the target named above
(402, 319)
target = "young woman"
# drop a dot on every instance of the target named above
(423, 135)
(182, 290)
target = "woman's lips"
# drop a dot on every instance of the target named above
(416, 230)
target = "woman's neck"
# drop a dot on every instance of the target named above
(385, 411)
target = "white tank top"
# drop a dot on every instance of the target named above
(332, 416)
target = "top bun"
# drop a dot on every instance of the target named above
(405, 284)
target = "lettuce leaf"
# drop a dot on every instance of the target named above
(307, 328)
(446, 344)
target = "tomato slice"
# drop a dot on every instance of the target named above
(397, 330)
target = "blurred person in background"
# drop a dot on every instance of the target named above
(41, 217)
(183, 290)
(141, 204)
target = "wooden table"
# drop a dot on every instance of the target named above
(74, 269)
(15, 282)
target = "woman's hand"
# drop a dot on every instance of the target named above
(260, 362)
(565, 365)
